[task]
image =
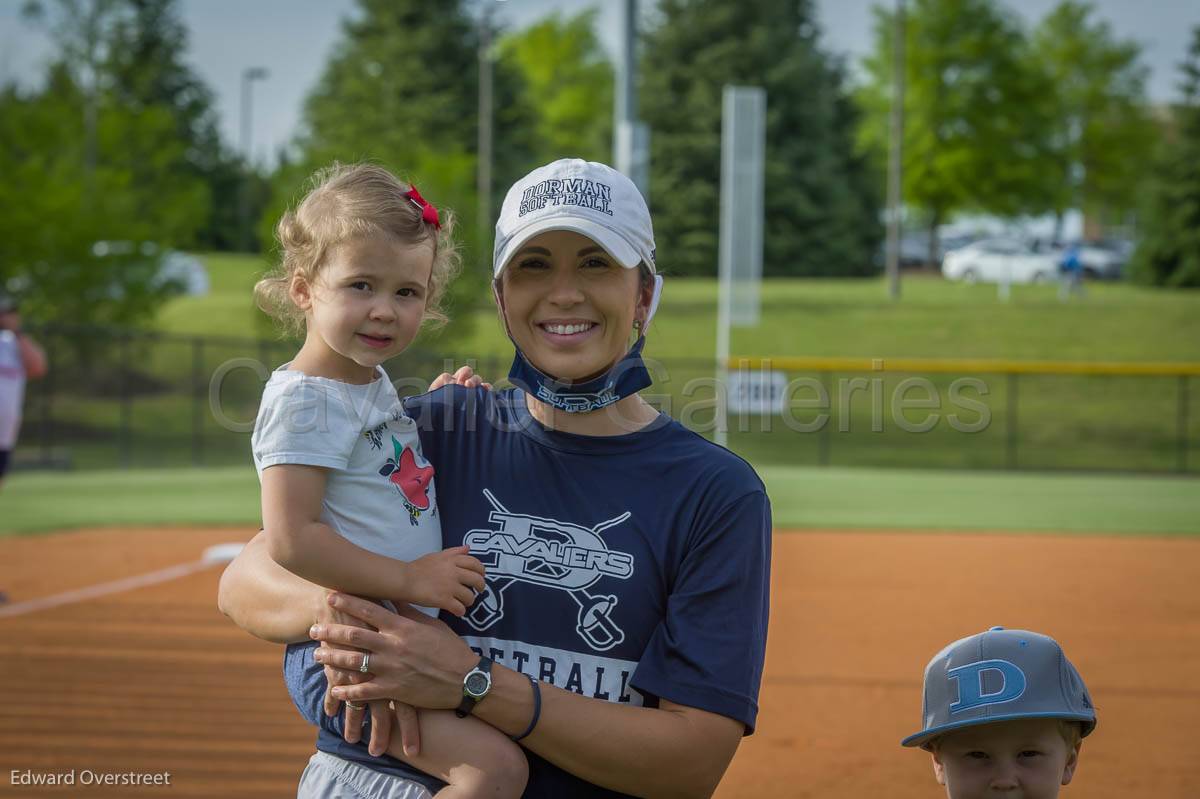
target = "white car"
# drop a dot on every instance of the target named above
(185, 271)
(185, 274)
(999, 261)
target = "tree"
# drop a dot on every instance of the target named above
(820, 197)
(569, 81)
(84, 163)
(1100, 127)
(53, 211)
(1169, 253)
(401, 89)
(975, 111)
(128, 55)
(146, 68)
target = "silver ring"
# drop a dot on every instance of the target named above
(366, 662)
(353, 706)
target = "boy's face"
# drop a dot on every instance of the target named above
(1023, 759)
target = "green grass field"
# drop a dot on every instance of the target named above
(228, 309)
(34, 502)
(822, 317)
(802, 497)
(1072, 423)
(935, 319)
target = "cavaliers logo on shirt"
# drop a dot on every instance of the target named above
(546, 552)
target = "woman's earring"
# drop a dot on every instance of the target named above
(637, 325)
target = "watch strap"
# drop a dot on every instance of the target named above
(468, 702)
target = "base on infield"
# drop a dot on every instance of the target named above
(222, 553)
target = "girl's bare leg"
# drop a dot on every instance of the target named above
(473, 758)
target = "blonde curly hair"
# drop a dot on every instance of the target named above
(346, 201)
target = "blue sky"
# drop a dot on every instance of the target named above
(292, 38)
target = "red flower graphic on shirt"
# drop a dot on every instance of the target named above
(404, 473)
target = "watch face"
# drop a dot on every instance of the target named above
(477, 684)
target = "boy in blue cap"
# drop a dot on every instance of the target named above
(1004, 713)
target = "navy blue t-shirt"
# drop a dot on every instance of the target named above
(626, 568)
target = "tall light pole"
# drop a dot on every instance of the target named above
(92, 22)
(896, 154)
(626, 84)
(484, 168)
(249, 75)
(631, 138)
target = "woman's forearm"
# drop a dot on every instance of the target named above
(265, 599)
(667, 751)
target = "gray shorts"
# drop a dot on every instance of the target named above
(329, 777)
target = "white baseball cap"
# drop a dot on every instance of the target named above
(588, 198)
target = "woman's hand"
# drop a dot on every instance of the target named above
(465, 376)
(386, 716)
(414, 659)
(352, 728)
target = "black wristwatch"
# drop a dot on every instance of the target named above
(476, 685)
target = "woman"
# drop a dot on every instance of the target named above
(622, 632)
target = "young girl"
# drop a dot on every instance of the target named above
(348, 501)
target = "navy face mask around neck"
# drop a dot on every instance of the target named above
(627, 377)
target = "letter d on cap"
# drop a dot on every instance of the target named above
(970, 684)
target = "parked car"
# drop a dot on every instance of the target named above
(914, 248)
(999, 260)
(184, 270)
(177, 272)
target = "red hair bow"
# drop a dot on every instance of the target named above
(428, 212)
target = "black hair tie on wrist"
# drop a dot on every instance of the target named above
(537, 708)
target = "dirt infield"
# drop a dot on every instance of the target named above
(155, 680)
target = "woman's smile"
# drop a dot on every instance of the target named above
(568, 332)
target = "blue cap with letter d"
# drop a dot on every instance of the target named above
(1001, 675)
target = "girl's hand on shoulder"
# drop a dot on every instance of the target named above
(465, 376)
(448, 580)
